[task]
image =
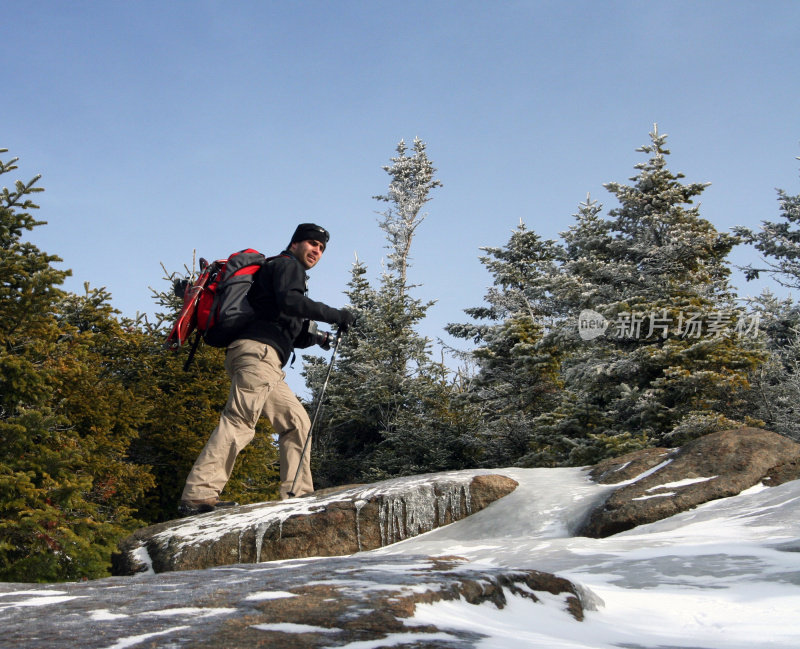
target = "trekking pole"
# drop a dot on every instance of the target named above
(336, 340)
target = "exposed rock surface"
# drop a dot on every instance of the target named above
(341, 523)
(369, 600)
(658, 483)
(326, 602)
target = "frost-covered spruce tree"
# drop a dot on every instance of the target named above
(516, 376)
(584, 277)
(673, 362)
(363, 395)
(412, 180)
(380, 394)
(779, 242)
(776, 385)
(774, 395)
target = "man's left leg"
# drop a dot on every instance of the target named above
(290, 421)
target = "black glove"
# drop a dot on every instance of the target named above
(344, 320)
(311, 335)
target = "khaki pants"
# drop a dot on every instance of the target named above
(257, 388)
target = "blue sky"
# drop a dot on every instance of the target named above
(166, 127)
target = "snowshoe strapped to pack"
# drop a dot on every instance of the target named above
(186, 322)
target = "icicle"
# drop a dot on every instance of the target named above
(261, 530)
(382, 515)
(359, 504)
(391, 520)
(415, 512)
(441, 508)
(420, 510)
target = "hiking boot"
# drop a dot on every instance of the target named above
(225, 503)
(192, 507)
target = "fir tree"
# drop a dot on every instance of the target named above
(776, 385)
(383, 376)
(779, 242)
(357, 402)
(104, 392)
(652, 269)
(774, 396)
(412, 180)
(517, 376)
(66, 414)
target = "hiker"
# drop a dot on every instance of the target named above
(254, 362)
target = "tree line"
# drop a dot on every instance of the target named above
(623, 333)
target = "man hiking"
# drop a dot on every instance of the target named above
(254, 362)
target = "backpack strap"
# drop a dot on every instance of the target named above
(195, 344)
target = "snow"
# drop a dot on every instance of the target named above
(671, 485)
(142, 556)
(123, 643)
(104, 615)
(37, 598)
(681, 483)
(725, 575)
(664, 495)
(289, 627)
(193, 610)
(397, 640)
(264, 595)
(641, 476)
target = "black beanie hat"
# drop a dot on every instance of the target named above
(306, 231)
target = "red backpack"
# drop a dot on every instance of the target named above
(216, 304)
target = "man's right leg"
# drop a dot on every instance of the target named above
(251, 382)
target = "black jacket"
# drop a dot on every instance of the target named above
(278, 297)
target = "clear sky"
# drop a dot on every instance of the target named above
(161, 128)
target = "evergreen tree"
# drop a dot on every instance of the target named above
(66, 414)
(358, 402)
(434, 431)
(384, 376)
(517, 376)
(104, 392)
(672, 365)
(779, 242)
(776, 385)
(774, 396)
(412, 180)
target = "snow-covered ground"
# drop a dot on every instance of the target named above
(725, 575)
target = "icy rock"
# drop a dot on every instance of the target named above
(356, 519)
(653, 484)
(333, 601)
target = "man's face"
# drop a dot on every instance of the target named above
(308, 252)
